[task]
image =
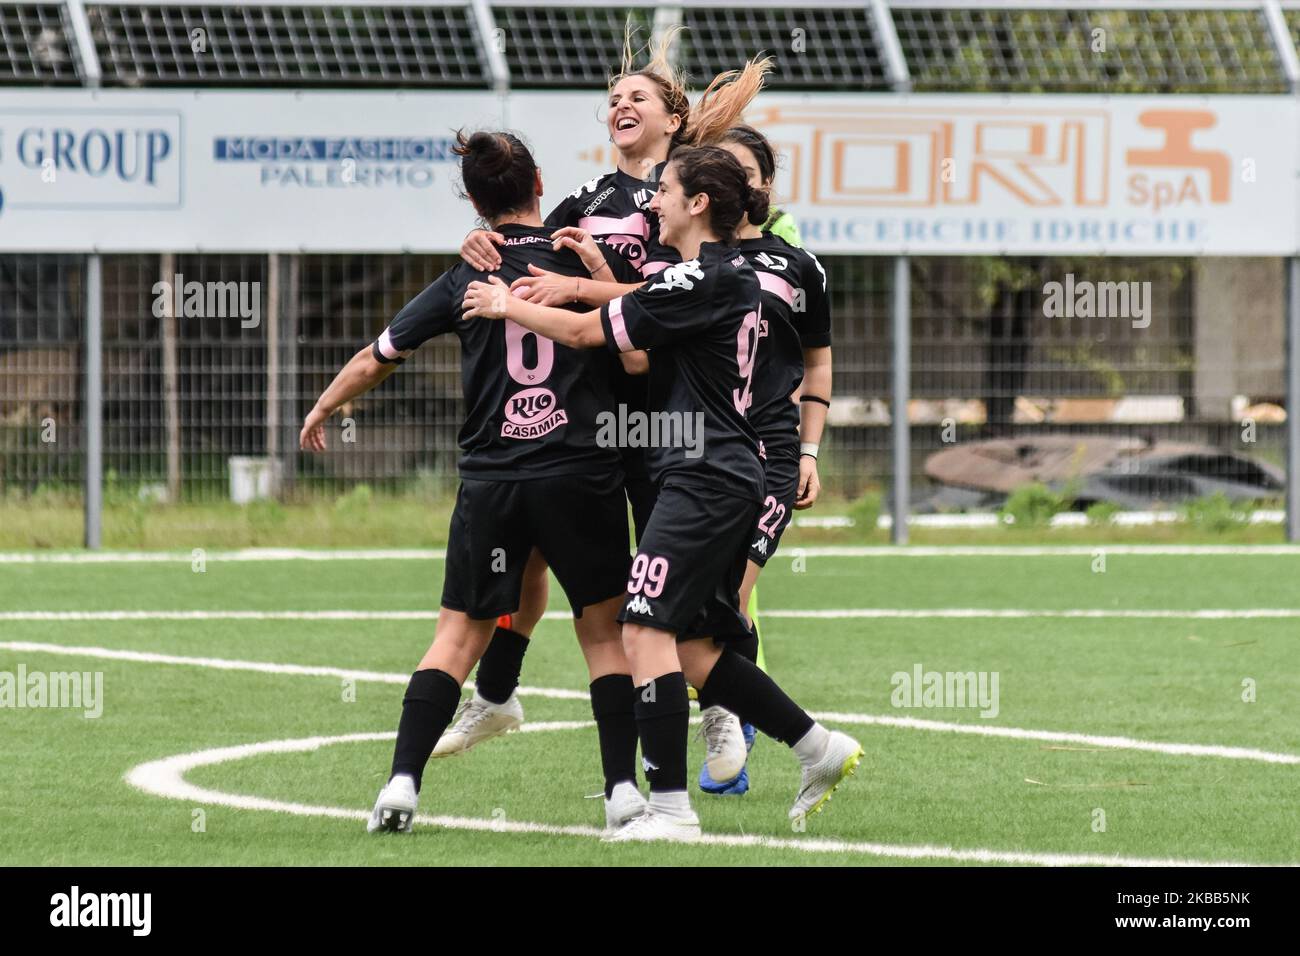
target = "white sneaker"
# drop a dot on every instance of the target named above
(479, 720)
(725, 742)
(395, 809)
(657, 825)
(622, 806)
(820, 779)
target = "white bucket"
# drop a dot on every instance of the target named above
(251, 479)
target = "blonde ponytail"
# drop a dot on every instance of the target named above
(724, 102)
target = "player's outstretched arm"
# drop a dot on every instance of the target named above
(812, 421)
(597, 292)
(551, 288)
(359, 376)
(493, 300)
(636, 362)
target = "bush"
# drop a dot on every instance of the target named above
(865, 511)
(1102, 512)
(355, 502)
(1033, 506)
(265, 517)
(1217, 513)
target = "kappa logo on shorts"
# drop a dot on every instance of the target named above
(760, 545)
(639, 605)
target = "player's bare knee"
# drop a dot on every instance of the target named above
(698, 658)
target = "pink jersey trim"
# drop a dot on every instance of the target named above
(386, 348)
(633, 225)
(777, 286)
(617, 327)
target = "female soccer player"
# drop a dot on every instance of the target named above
(700, 320)
(794, 348)
(649, 115)
(532, 477)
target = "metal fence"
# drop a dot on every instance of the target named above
(978, 357)
(986, 363)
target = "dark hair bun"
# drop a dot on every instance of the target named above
(758, 206)
(492, 154)
(498, 171)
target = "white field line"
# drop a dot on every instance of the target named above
(261, 667)
(903, 723)
(166, 778)
(1210, 614)
(824, 551)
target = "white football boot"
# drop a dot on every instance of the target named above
(395, 809)
(658, 825)
(821, 776)
(724, 741)
(478, 720)
(623, 805)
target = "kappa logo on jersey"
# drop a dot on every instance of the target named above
(595, 203)
(642, 197)
(680, 276)
(531, 414)
(639, 605)
(760, 545)
(773, 262)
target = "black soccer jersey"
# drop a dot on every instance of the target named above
(616, 208)
(531, 405)
(700, 318)
(796, 316)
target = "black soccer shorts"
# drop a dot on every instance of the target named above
(578, 522)
(781, 473)
(690, 563)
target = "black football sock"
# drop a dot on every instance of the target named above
(738, 685)
(498, 671)
(427, 709)
(704, 700)
(748, 647)
(662, 721)
(613, 704)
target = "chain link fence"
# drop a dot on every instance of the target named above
(987, 364)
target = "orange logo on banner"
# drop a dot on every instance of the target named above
(1179, 125)
(920, 156)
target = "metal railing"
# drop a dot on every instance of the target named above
(1216, 46)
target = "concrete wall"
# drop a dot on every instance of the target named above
(1238, 333)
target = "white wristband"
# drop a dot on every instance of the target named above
(808, 448)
